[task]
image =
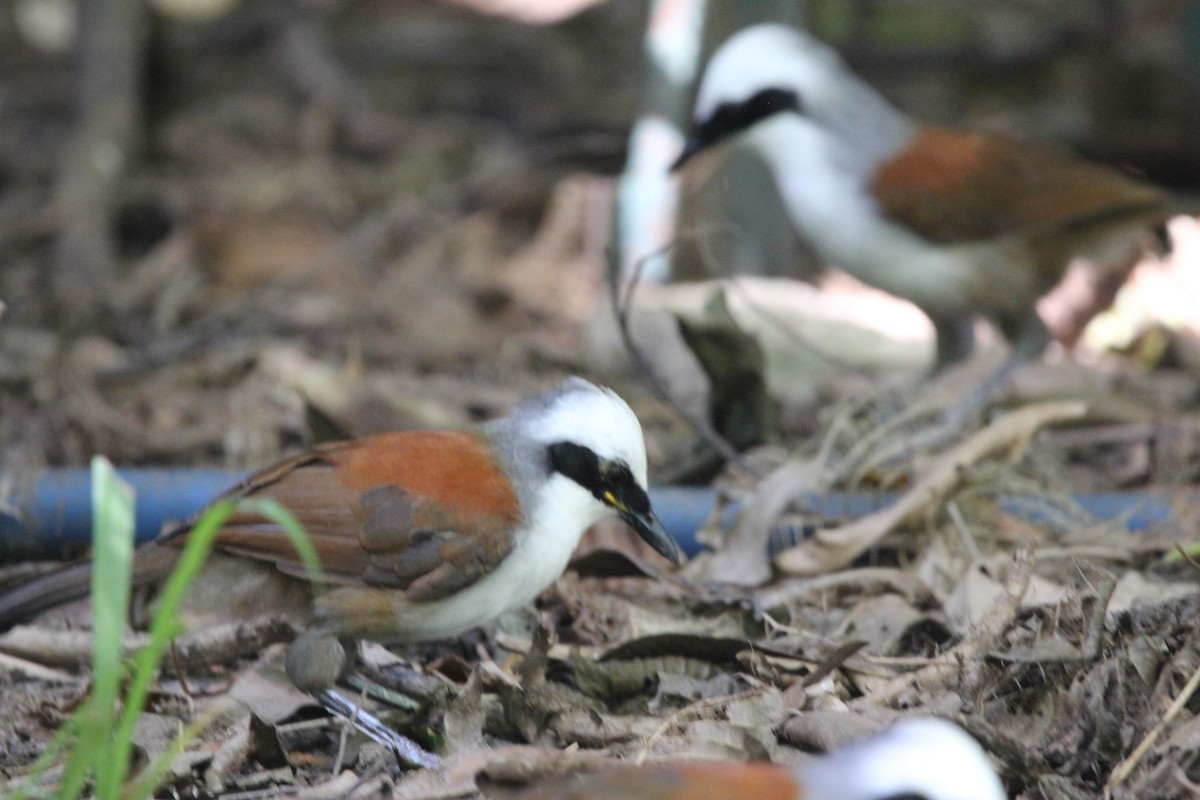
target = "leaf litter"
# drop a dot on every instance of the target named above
(1066, 644)
(279, 310)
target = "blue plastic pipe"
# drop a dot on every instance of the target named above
(55, 520)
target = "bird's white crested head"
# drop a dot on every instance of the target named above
(922, 757)
(770, 56)
(579, 412)
(770, 75)
(577, 450)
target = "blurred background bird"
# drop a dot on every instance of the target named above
(922, 757)
(960, 224)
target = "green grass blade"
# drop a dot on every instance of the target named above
(291, 526)
(112, 542)
(165, 624)
(98, 742)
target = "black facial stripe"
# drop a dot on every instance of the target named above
(615, 473)
(731, 118)
(583, 466)
(576, 462)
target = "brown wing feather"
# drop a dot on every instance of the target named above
(425, 512)
(953, 187)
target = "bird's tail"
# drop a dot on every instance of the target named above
(151, 564)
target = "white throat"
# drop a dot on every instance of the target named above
(925, 757)
(556, 524)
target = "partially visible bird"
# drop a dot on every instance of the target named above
(421, 535)
(916, 759)
(960, 224)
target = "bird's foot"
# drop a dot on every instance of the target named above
(406, 750)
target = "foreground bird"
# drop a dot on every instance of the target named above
(960, 224)
(917, 759)
(421, 535)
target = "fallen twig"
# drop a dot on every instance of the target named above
(34, 671)
(835, 547)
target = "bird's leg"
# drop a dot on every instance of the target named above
(406, 750)
(955, 340)
(315, 661)
(1029, 337)
(981, 395)
(1027, 332)
(345, 735)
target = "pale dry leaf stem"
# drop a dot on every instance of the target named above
(1123, 770)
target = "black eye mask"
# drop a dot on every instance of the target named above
(732, 118)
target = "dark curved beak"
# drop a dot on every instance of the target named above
(691, 146)
(653, 533)
(633, 506)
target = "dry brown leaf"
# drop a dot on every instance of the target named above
(735, 726)
(153, 733)
(267, 691)
(1135, 587)
(464, 718)
(716, 741)
(983, 639)
(503, 772)
(983, 585)
(345, 785)
(821, 731)
(882, 621)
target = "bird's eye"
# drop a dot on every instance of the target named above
(615, 473)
